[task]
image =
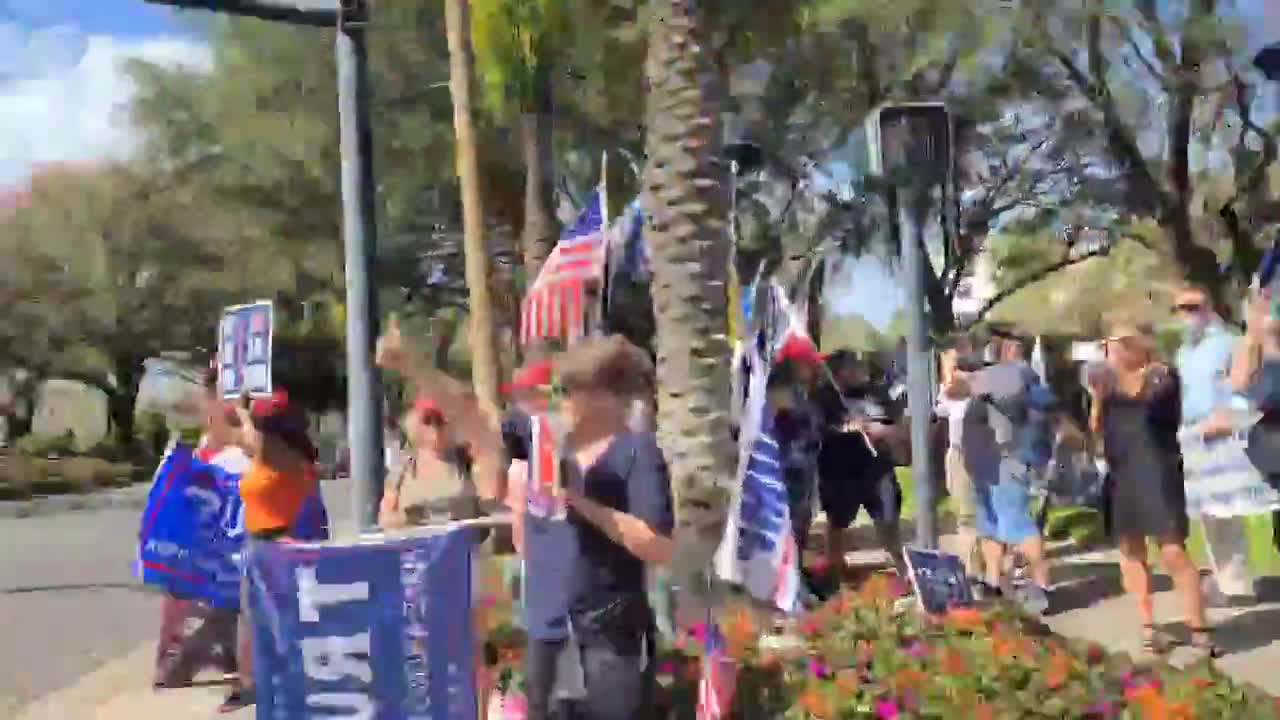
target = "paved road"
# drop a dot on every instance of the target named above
(68, 600)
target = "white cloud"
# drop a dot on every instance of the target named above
(64, 95)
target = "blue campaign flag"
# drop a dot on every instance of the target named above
(166, 536)
(376, 630)
(192, 529)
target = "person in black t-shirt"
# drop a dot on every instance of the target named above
(855, 467)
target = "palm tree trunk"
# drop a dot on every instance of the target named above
(541, 229)
(688, 200)
(484, 350)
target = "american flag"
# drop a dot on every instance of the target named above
(719, 678)
(556, 304)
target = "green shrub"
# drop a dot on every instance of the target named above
(42, 446)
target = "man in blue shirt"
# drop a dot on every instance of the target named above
(1204, 361)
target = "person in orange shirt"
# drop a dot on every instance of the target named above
(280, 479)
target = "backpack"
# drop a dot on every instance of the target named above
(1010, 414)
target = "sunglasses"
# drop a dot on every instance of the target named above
(1188, 307)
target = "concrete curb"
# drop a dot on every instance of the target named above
(131, 497)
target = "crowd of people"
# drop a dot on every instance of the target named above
(838, 421)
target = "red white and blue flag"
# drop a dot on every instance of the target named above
(719, 678)
(556, 303)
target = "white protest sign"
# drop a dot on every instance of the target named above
(244, 349)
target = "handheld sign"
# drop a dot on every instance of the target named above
(938, 579)
(244, 350)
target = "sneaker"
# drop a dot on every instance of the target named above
(1035, 599)
(984, 592)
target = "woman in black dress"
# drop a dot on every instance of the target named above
(1137, 409)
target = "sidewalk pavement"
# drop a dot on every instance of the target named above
(133, 496)
(1088, 604)
(120, 690)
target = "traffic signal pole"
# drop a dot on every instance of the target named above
(359, 239)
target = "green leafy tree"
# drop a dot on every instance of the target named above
(108, 256)
(1165, 85)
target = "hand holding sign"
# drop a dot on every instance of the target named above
(390, 353)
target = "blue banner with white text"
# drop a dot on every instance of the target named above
(376, 631)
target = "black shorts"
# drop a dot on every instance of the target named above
(843, 497)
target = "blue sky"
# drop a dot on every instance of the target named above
(61, 88)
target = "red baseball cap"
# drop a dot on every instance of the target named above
(276, 415)
(800, 349)
(424, 407)
(530, 377)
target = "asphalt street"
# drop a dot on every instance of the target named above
(68, 600)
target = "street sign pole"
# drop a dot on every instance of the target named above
(359, 235)
(919, 381)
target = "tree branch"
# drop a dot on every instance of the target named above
(1120, 138)
(1035, 277)
(1243, 249)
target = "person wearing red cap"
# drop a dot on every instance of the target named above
(432, 483)
(797, 428)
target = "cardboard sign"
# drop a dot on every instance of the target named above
(244, 350)
(939, 580)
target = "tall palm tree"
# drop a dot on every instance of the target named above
(484, 344)
(687, 199)
(517, 44)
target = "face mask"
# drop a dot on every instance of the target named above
(1193, 327)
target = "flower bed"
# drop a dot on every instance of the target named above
(855, 657)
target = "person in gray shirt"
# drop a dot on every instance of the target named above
(1003, 452)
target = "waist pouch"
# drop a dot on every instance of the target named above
(623, 625)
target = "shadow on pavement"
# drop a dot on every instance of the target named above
(135, 587)
(1081, 585)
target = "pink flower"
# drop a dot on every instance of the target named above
(818, 668)
(699, 632)
(887, 710)
(515, 707)
(667, 668)
(918, 649)
(488, 601)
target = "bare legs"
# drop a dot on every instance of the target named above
(993, 556)
(1136, 574)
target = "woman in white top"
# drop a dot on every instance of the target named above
(953, 401)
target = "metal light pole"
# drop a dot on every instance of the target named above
(359, 230)
(359, 239)
(910, 149)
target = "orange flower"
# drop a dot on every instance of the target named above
(953, 662)
(1201, 683)
(876, 589)
(740, 633)
(908, 679)
(847, 680)
(818, 703)
(966, 618)
(1059, 669)
(983, 711)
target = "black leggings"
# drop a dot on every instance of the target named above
(619, 687)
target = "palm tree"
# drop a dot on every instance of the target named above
(484, 345)
(686, 186)
(516, 45)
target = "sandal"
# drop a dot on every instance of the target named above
(238, 699)
(1202, 641)
(1154, 642)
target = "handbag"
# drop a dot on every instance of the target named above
(1263, 450)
